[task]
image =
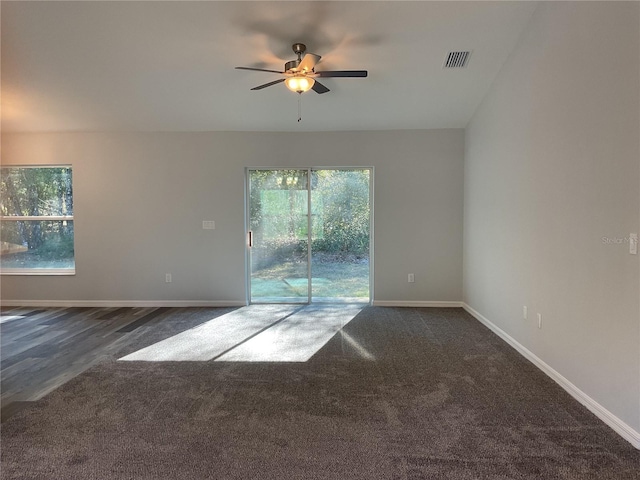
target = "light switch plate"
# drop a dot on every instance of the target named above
(208, 225)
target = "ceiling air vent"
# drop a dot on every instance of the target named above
(457, 60)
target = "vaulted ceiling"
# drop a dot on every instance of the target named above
(169, 66)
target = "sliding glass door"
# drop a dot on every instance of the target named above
(309, 235)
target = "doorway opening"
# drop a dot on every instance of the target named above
(309, 233)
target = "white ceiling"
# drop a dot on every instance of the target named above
(169, 66)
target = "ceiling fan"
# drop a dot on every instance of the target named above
(300, 75)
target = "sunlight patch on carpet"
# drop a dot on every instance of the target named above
(257, 333)
(295, 339)
(214, 337)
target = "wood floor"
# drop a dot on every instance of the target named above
(42, 349)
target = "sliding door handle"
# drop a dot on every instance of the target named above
(250, 239)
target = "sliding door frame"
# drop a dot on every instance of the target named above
(309, 170)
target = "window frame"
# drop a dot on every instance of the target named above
(40, 218)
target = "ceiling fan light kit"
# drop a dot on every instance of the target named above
(299, 83)
(300, 75)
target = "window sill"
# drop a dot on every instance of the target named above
(38, 271)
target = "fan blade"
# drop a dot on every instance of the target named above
(308, 62)
(260, 87)
(319, 88)
(343, 73)
(258, 69)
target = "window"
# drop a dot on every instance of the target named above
(36, 220)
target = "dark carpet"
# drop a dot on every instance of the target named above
(400, 393)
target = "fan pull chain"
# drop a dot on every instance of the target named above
(299, 106)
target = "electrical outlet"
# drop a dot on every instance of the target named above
(539, 320)
(411, 278)
(524, 312)
(167, 277)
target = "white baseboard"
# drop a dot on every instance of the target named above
(194, 303)
(122, 303)
(620, 427)
(409, 303)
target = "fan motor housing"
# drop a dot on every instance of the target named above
(292, 65)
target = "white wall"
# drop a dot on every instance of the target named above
(551, 167)
(140, 199)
